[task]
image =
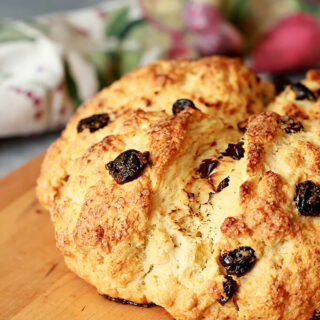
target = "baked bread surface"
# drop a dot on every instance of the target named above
(205, 193)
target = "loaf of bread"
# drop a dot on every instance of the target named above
(187, 184)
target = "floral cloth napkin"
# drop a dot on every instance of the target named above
(51, 64)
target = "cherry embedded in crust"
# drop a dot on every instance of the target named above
(316, 315)
(235, 151)
(182, 104)
(290, 125)
(206, 167)
(239, 261)
(223, 184)
(242, 125)
(93, 123)
(128, 165)
(230, 286)
(302, 92)
(307, 198)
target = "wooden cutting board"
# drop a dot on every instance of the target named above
(34, 282)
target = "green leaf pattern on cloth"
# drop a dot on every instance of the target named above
(9, 32)
(310, 7)
(71, 86)
(116, 22)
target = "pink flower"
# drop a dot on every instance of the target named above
(291, 45)
(201, 17)
(178, 48)
(213, 35)
(227, 40)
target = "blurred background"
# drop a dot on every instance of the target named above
(22, 9)
(56, 54)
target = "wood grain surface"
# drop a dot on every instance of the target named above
(34, 282)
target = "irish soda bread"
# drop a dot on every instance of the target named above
(161, 192)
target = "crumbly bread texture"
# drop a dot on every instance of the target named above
(209, 227)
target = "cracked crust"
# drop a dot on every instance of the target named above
(157, 239)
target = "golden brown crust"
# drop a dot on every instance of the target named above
(293, 111)
(159, 237)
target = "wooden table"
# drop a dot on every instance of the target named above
(34, 282)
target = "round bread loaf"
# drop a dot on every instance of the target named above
(157, 194)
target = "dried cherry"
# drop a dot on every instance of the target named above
(290, 125)
(93, 123)
(316, 315)
(128, 165)
(242, 125)
(239, 261)
(230, 286)
(206, 167)
(235, 151)
(182, 104)
(307, 198)
(223, 184)
(302, 92)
